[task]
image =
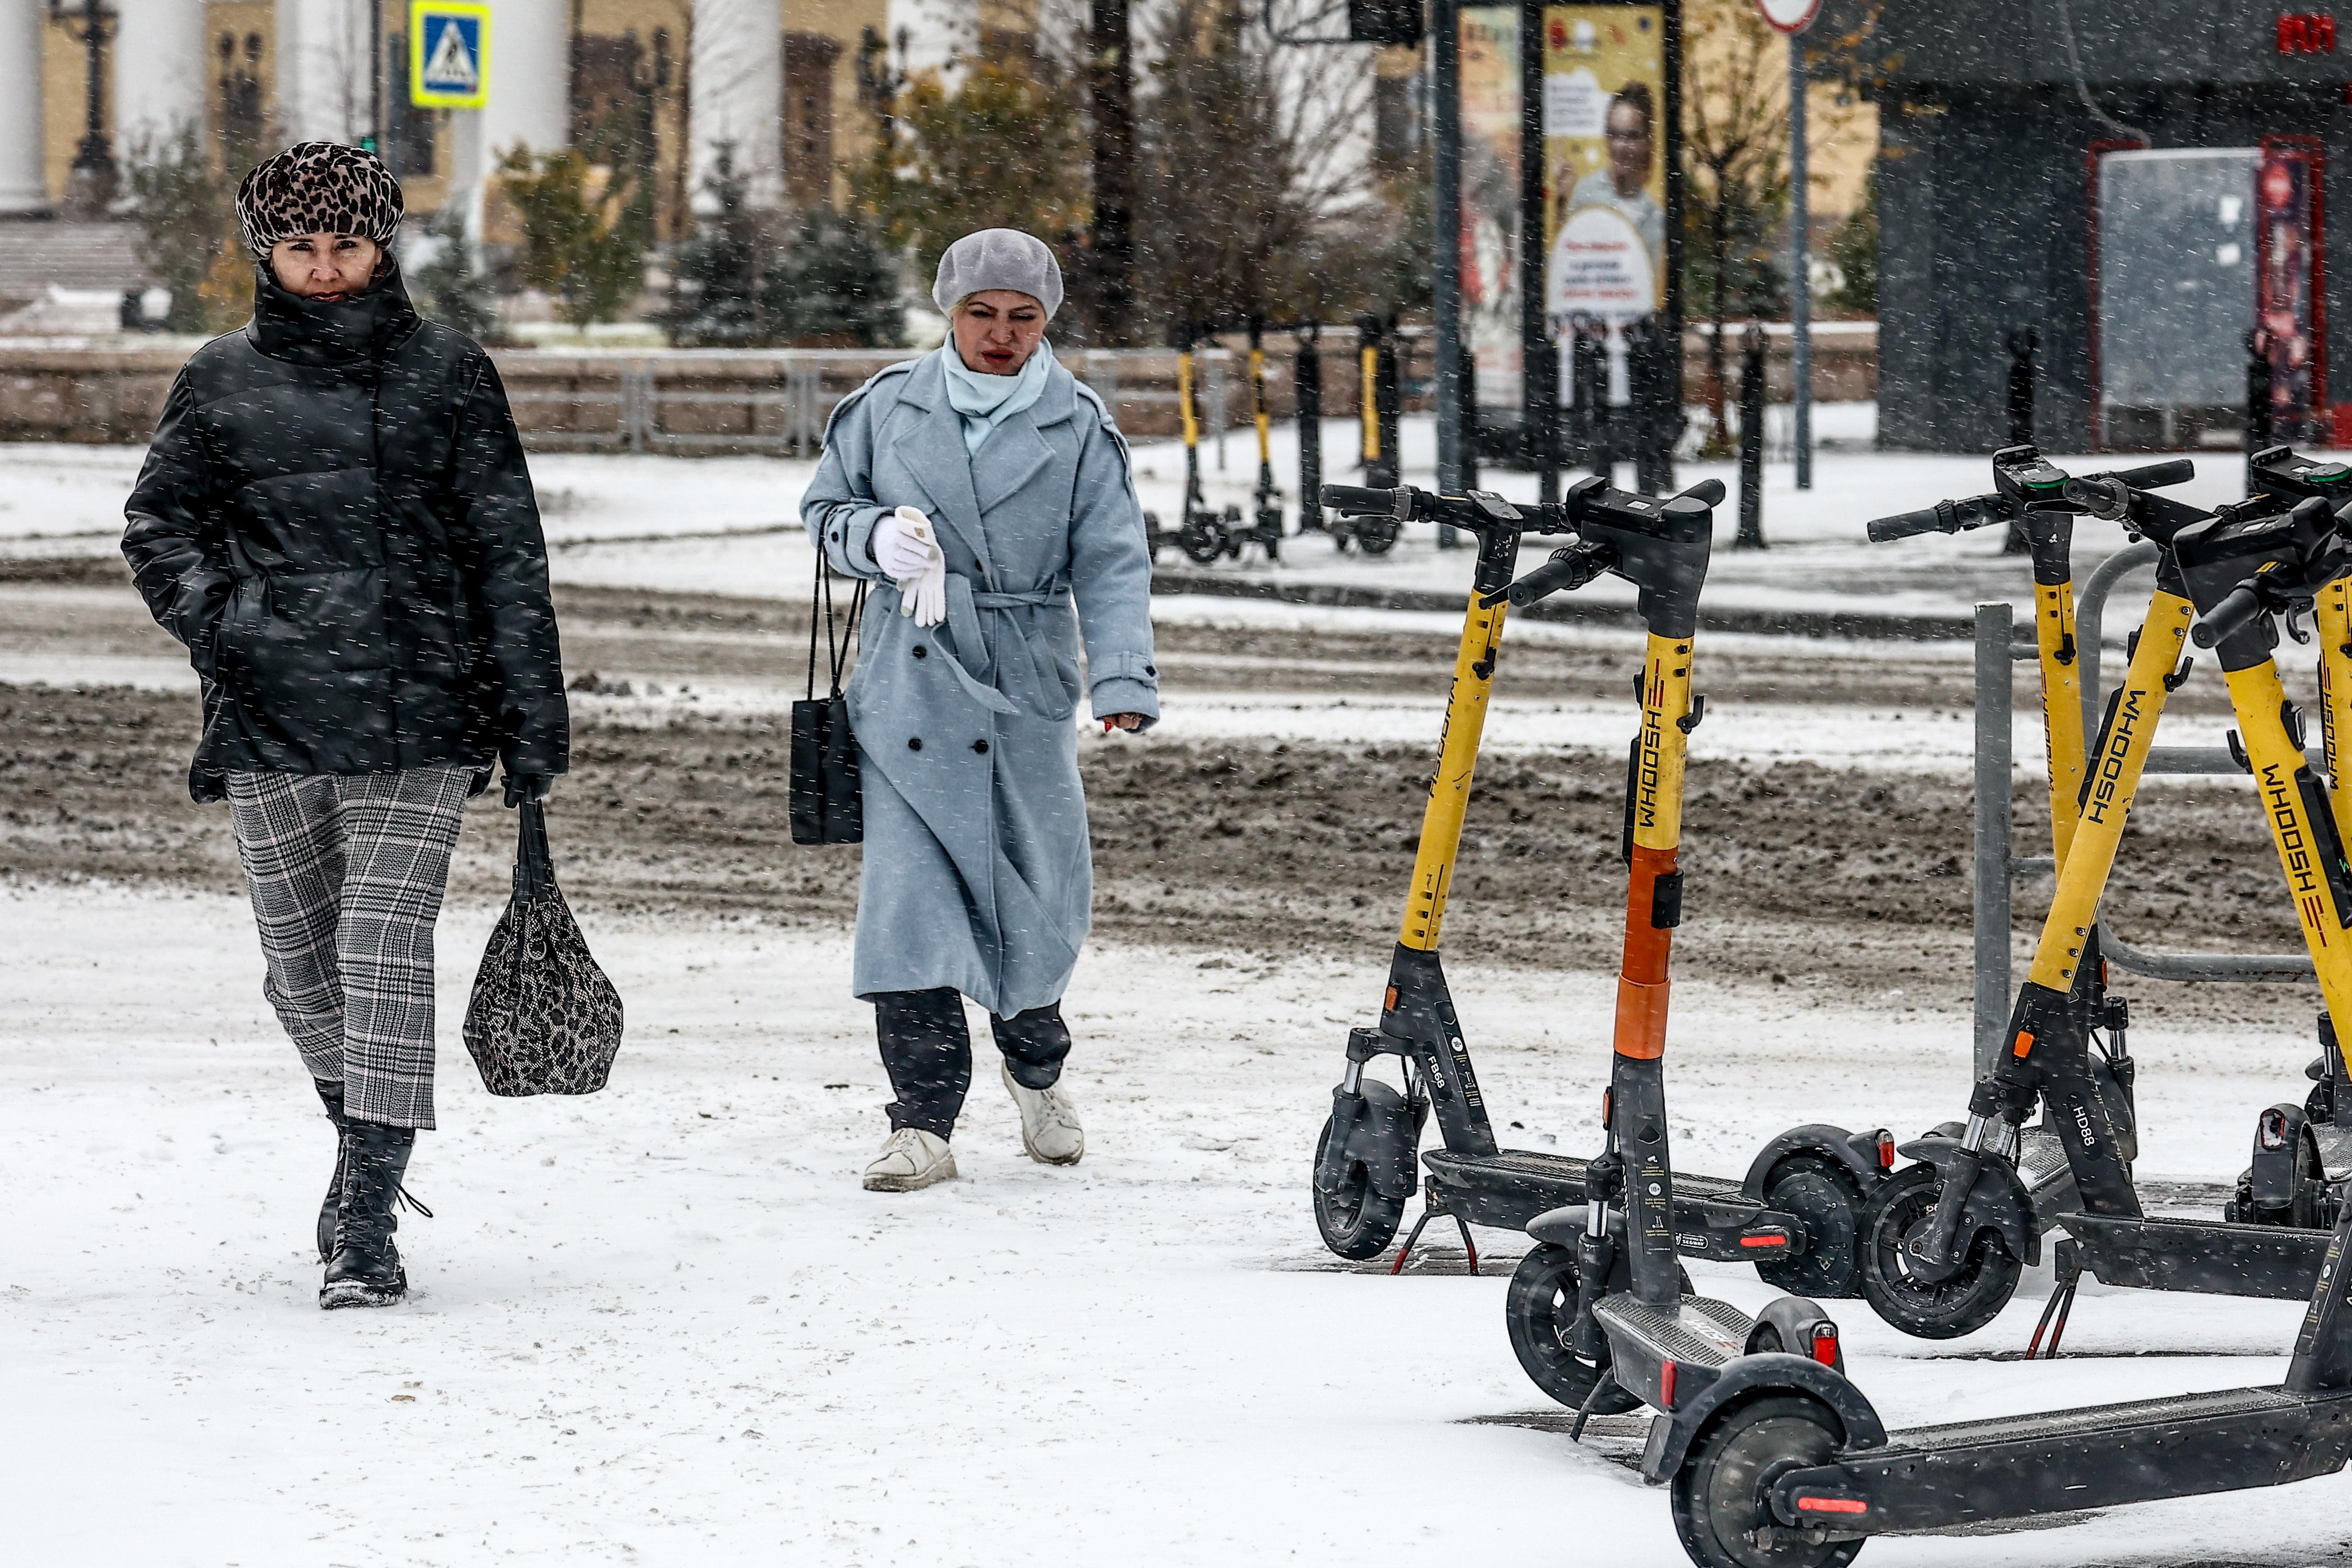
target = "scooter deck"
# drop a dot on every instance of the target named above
(2098, 1456)
(1697, 1337)
(2209, 1257)
(1510, 1187)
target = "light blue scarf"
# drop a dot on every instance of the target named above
(984, 401)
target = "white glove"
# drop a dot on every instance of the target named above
(925, 597)
(904, 544)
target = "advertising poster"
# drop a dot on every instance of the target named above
(1604, 164)
(2286, 252)
(1490, 198)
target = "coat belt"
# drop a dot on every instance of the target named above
(1020, 668)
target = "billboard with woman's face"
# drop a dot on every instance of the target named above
(1604, 164)
(1606, 146)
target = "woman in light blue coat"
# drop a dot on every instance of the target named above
(987, 494)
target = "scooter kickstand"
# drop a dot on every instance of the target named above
(1405, 1251)
(2061, 1305)
(1468, 1245)
(1601, 1386)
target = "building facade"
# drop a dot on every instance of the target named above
(646, 88)
(2000, 127)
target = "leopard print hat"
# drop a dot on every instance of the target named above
(318, 187)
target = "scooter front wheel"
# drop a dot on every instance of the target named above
(1356, 1221)
(1538, 1313)
(1722, 1495)
(1376, 536)
(1815, 1192)
(1201, 538)
(1931, 1308)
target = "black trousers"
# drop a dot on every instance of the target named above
(927, 1051)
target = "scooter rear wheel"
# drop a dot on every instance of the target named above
(1722, 1491)
(1356, 1221)
(1817, 1193)
(1537, 1314)
(1963, 1304)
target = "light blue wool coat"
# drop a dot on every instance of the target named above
(978, 873)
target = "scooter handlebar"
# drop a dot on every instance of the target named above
(1566, 571)
(1356, 501)
(2155, 476)
(1903, 525)
(2243, 603)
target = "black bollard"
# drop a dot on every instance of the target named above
(1751, 441)
(2022, 343)
(1388, 402)
(1591, 431)
(1308, 379)
(1468, 444)
(2259, 426)
(1654, 367)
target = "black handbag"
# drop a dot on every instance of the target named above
(827, 805)
(543, 1019)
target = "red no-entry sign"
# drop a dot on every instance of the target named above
(1790, 16)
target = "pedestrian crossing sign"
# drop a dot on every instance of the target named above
(448, 53)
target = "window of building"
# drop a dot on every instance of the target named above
(808, 117)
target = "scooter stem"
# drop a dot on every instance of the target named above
(1653, 910)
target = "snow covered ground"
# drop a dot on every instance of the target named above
(662, 1324)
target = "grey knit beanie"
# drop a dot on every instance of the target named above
(997, 258)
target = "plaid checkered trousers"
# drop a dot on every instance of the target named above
(347, 872)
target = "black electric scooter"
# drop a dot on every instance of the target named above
(1791, 1214)
(1777, 1461)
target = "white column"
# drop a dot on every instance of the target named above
(22, 186)
(738, 86)
(160, 71)
(322, 70)
(530, 78)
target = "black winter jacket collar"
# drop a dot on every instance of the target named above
(332, 332)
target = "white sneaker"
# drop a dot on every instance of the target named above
(911, 1159)
(1049, 1122)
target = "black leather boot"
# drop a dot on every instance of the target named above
(332, 1096)
(366, 1269)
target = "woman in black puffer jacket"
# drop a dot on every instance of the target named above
(336, 518)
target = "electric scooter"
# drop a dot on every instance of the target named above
(1944, 1241)
(1600, 1312)
(2301, 1158)
(1787, 1216)
(2029, 497)
(1778, 1459)
(1377, 405)
(1265, 518)
(1202, 535)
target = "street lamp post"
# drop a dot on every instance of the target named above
(91, 186)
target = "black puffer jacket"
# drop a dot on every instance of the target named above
(335, 517)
